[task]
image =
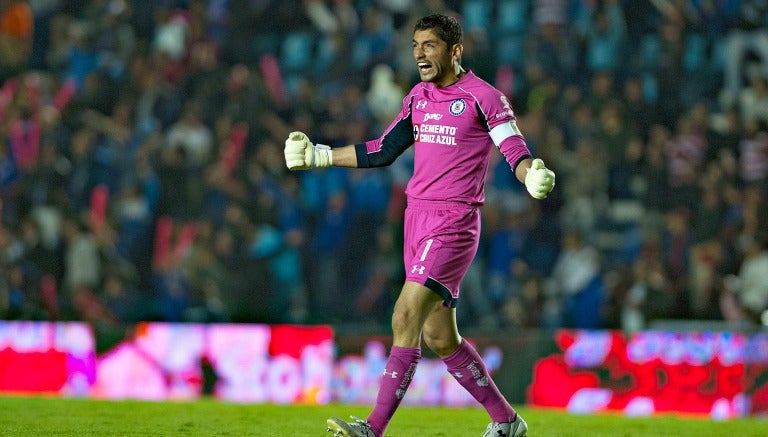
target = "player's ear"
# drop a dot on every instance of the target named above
(456, 51)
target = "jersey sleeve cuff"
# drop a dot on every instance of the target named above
(519, 160)
(362, 155)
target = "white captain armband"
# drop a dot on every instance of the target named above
(504, 131)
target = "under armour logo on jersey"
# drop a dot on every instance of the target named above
(418, 269)
(421, 104)
(392, 374)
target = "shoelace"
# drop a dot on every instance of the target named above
(358, 422)
(362, 424)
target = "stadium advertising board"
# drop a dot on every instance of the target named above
(46, 357)
(719, 374)
(232, 362)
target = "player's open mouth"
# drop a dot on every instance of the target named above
(424, 67)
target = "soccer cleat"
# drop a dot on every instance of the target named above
(357, 428)
(516, 428)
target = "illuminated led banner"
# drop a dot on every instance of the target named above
(245, 362)
(721, 375)
(47, 357)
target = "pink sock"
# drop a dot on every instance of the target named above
(468, 368)
(398, 372)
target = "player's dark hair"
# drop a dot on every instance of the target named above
(445, 27)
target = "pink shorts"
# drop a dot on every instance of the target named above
(441, 240)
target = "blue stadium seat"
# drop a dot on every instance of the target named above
(649, 51)
(717, 58)
(325, 55)
(512, 16)
(263, 43)
(296, 51)
(510, 50)
(650, 87)
(695, 56)
(476, 15)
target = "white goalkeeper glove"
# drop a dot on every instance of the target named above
(301, 154)
(539, 180)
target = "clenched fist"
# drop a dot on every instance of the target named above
(539, 180)
(301, 154)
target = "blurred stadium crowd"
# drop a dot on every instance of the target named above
(142, 176)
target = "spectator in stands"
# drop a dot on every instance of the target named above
(613, 132)
(600, 92)
(753, 220)
(83, 265)
(132, 218)
(639, 115)
(193, 135)
(208, 281)
(626, 181)
(504, 268)
(550, 45)
(127, 304)
(685, 153)
(136, 75)
(17, 300)
(707, 251)
(750, 34)
(753, 100)
(384, 95)
(16, 35)
(586, 193)
(745, 295)
(648, 297)
(675, 243)
(753, 153)
(666, 69)
(604, 35)
(578, 279)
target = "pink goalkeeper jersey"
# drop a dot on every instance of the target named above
(453, 129)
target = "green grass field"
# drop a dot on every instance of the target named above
(35, 416)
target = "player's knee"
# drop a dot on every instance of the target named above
(403, 321)
(406, 330)
(441, 345)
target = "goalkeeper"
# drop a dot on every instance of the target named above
(453, 119)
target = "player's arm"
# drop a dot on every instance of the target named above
(521, 171)
(345, 156)
(302, 154)
(538, 179)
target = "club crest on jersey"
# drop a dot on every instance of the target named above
(457, 107)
